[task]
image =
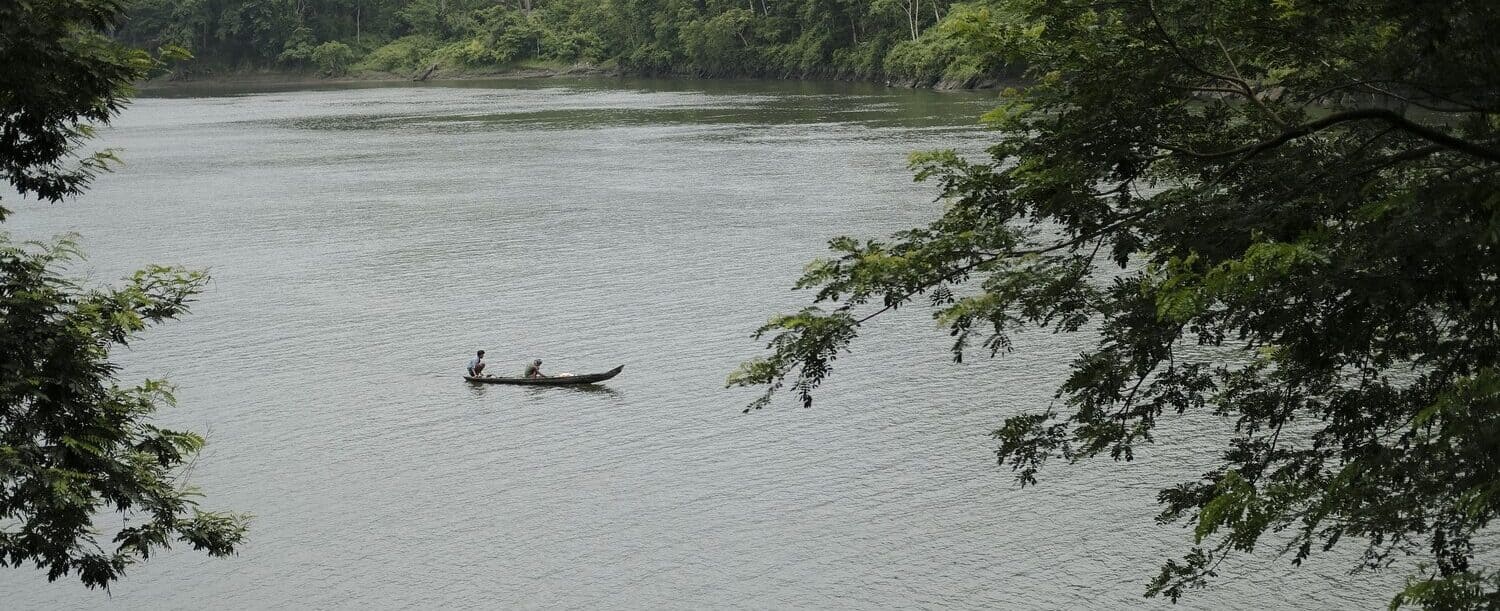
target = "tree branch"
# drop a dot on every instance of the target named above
(1183, 57)
(1462, 106)
(950, 276)
(1380, 114)
(1248, 92)
(1205, 89)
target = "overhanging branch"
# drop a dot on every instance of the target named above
(954, 274)
(1378, 114)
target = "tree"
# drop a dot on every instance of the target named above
(1304, 192)
(74, 444)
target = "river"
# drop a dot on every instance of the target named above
(364, 240)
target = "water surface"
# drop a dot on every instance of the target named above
(364, 240)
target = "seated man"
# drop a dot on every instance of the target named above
(476, 365)
(534, 370)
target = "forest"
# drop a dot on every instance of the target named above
(907, 42)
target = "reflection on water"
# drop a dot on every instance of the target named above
(590, 389)
(365, 240)
(484, 390)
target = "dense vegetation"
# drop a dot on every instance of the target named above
(76, 447)
(912, 41)
(1285, 214)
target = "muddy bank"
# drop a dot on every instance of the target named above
(296, 78)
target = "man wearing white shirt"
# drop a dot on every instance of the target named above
(476, 365)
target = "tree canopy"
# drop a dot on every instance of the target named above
(1282, 213)
(863, 39)
(74, 443)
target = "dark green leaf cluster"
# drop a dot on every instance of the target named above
(57, 76)
(73, 442)
(1286, 214)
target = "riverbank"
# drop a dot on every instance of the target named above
(527, 70)
(292, 78)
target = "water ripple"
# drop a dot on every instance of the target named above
(365, 240)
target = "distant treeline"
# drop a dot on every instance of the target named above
(911, 41)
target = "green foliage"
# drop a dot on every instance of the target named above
(1473, 589)
(59, 75)
(504, 36)
(1299, 238)
(957, 51)
(571, 46)
(438, 18)
(298, 49)
(401, 55)
(845, 38)
(73, 442)
(261, 29)
(719, 44)
(332, 58)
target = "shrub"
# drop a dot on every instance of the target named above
(401, 55)
(333, 58)
(298, 48)
(572, 46)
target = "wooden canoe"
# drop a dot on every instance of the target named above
(590, 378)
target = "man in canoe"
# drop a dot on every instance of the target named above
(476, 365)
(534, 370)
